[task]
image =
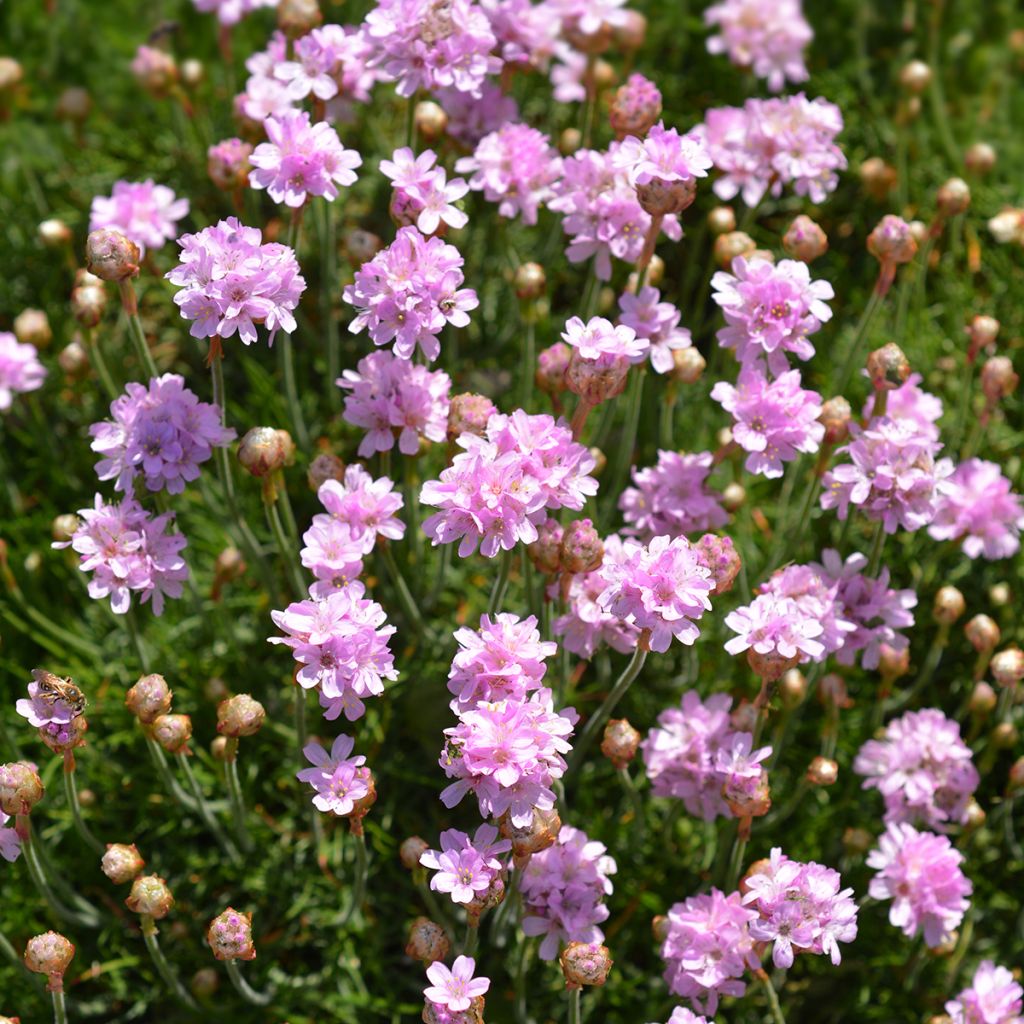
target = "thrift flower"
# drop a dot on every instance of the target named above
(338, 779)
(456, 988)
(466, 868)
(657, 322)
(20, 369)
(147, 213)
(993, 997)
(977, 508)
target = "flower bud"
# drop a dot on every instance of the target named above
(468, 414)
(822, 771)
(721, 557)
(155, 70)
(530, 281)
(983, 700)
(722, 220)
(1008, 226)
(552, 364)
(949, 606)
(878, 178)
(74, 104)
(660, 198)
(150, 896)
(1004, 736)
(596, 380)
(569, 141)
(205, 983)
(111, 255)
(227, 164)
(857, 840)
(173, 732)
(635, 107)
(770, 667)
(893, 663)
(832, 690)
(733, 497)
(263, 450)
(982, 633)
(582, 548)
(411, 850)
(892, 241)
(1007, 666)
(122, 862)
(620, 742)
(427, 941)
(631, 32)
(998, 379)
(325, 466)
(298, 17)
(31, 327)
(11, 74)
(1016, 777)
(240, 715)
(982, 332)
(659, 927)
(50, 954)
(360, 246)
(64, 527)
(54, 233)
(62, 737)
(953, 197)
(20, 788)
(149, 698)
(888, 367)
(230, 936)
(431, 121)
(732, 244)
(915, 77)
(793, 688)
(88, 302)
(835, 417)
(539, 834)
(546, 551)
(74, 360)
(975, 814)
(192, 72)
(804, 240)
(585, 963)
(687, 365)
(980, 158)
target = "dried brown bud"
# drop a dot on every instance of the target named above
(733, 497)
(263, 450)
(660, 927)
(949, 606)
(888, 367)
(173, 732)
(552, 364)
(149, 698)
(20, 788)
(998, 379)
(468, 414)
(539, 834)
(74, 104)
(892, 241)
(240, 715)
(687, 365)
(411, 850)
(1007, 666)
(982, 633)
(430, 119)
(546, 551)
(620, 742)
(835, 418)
(953, 197)
(326, 466)
(722, 220)
(822, 771)
(878, 177)
(793, 688)
(585, 963)
(205, 983)
(31, 327)
(805, 240)
(49, 954)
(150, 896)
(298, 17)
(122, 862)
(427, 941)
(230, 936)
(54, 233)
(661, 198)
(980, 158)
(530, 281)
(582, 549)
(73, 359)
(982, 332)
(857, 840)
(111, 255)
(983, 700)
(1004, 736)
(915, 76)
(732, 244)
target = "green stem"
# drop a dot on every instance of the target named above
(164, 969)
(170, 782)
(204, 810)
(732, 875)
(71, 793)
(443, 564)
(525, 948)
(235, 796)
(773, 997)
(244, 989)
(966, 394)
(409, 606)
(288, 355)
(936, 92)
(859, 334)
(35, 869)
(472, 939)
(99, 364)
(359, 890)
(500, 583)
(877, 546)
(60, 1012)
(130, 303)
(529, 359)
(329, 263)
(637, 804)
(285, 549)
(574, 1005)
(624, 460)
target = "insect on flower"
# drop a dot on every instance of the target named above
(53, 689)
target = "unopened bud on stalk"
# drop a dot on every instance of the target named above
(155, 70)
(230, 936)
(600, 461)
(888, 367)
(893, 663)
(1008, 226)
(620, 742)
(173, 732)
(892, 241)
(733, 497)
(585, 963)
(552, 364)
(149, 698)
(1004, 736)
(982, 633)
(770, 667)
(805, 240)
(980, 158)
(721, 220)
(732, 244)
(431, 120)
(857, 840)
(835, 418)
(630, 33)
(721, 557)
(31, 327)
(546, 551)
(878, 177)
(192, 72)
(688, 365)
(205, 983)
(227, 164)
(427, 941)
(468, 414)
(1016, 778)
(20, 788)
(240, 715)
(975, 814)
(982, 332)
(54, 233)
(150, 896)
(655, 273)
(949, 606)
(953, 197)
(74, 360)
(793, 688)
(122, 862)
(263, 450)
(998, 379)
(219, 748)
(111, 255)
(822, 771)
(539, 834)
(569, 141)
(530, 281)
(582, 549)
(326, 466)
(659, 927)
(832, 690)
(635, 107)
(74, 104)
(983, 700)
(88, 301)
(660, 198)
(1008, 666)
(298, 17)
(230, 565)
(915, 76)
(64, 527)
(50, 954)
(411, 850)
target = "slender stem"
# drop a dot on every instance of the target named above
(773, 996)
(138, 335)
(288, 512)
(625, 454)
(409, 606)
(35, 869)
(877, 546)
(666, 422)
(739, 848)
(329, 281)
(359, 890)
(637, 804)
(472, 939)
(204, 809)
(500, 583)
(164, 969)
(936, 92)
(300, 719)
(169, 781)
(244, 989)
(574, 1005)
(100, 365)
(60, 1011)
(966, 394)
(235, 793)
(136, 637)
(287, 352)
(443, 564)
(529, 358)
(525, 948)
(437, 912)
(859, 334)
(285, 548)
(71, 792)
(590, 84)
(597, 720)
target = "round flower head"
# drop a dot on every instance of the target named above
(20, 788)
(664, 168)
(920, 873)
(230, 936)
(49, 708)
(240, 715)
(585, 963)
(151, 897)
(909, 402)
(50, 954)
(339, 780)
(149, 698)
(993, 997)
(601, 357)
(20, 369)
(466, 868)
(121, 863)
(977, 508)
(770, 309)
(147, 213)
(227, 163)
(776, 632)
(456, 988)
(635, 107)
(656, 321)
(422, 195)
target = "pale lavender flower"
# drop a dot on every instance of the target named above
(656, 321)
(20, 369)
(338, 779)
(456, 988)
(230, 12)
(909, 402)
(466, 868)
(977, 508)
(993, 997)
(775, 628)
(367, 506)
(144, 211)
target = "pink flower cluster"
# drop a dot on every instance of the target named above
(656, 322)
(496, 492)
(922, 768)
(672, 498)
(563, 890)
(423, 196)
(776, 630)
(816, 596)
(231, 281)
(768, 38)
(128, 550)
(471, 118)
(162, 433)
(230, 12)
(20, 369)
(977, 508)
(52, 716)
(340, 643)
(920, 873)
(993, 997)
(389, 395)
(695, 755)
(909, 402)
(301, 159)
(515, 167)
(10, 841)
(453, 990)
(339, 781)
(467, 869)
(503, 659)
(330, 63)
(147, 213)
(265, 95)
(408, 292)
(770, 309)
(800, 909)
(767, 145)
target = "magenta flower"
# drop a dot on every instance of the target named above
(20, 369)
(147, 213)
(301, 159)
(162, 433)
(422, 193)
(456, 988)
(816, 594)
(769, 310)
(775, 628)
(231, 282)
(390, 396)
(920, 873)
(466, 868)
(663, 155)
(332, 553)
(10, 841)
(993, 997)
(768, 38)
(922, 768)
(656, 321)
(339, 780)
(564, 889)
(598, 341)
(800, 909)
(128, 550)
(772, 420)
(977, 508)
(52, 716)
(515, 167)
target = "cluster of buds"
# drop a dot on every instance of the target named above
(635, 107)
(580, 550)
(264, 452)
(805, 240)
(50, 954)
(230, 936)
(540, 833)
(88, 299)
(892, 242)
(722, 558)
(149, 700)
(585, 963)
(468, 413)
(122, 863)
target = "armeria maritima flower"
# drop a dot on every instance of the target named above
(20, 369)
(456, 988)
(993, 997)
(466, 868)
(144, 211)
(338, 779)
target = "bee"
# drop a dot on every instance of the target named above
(53, 689)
